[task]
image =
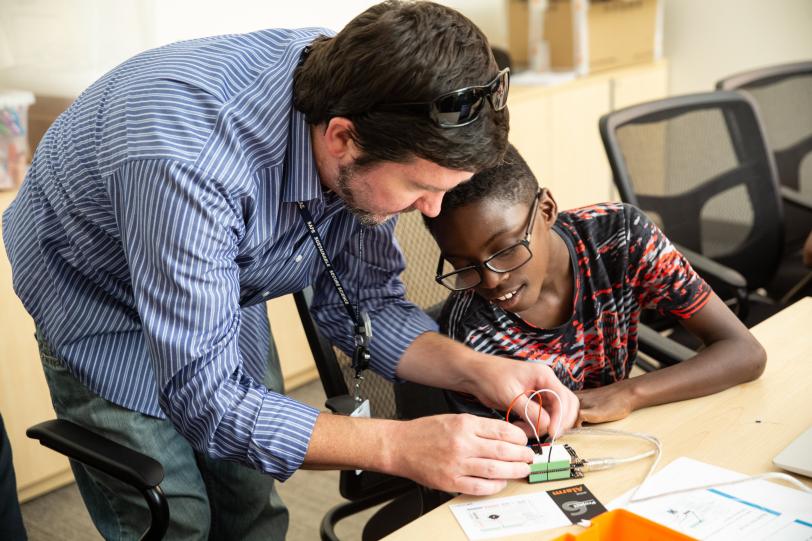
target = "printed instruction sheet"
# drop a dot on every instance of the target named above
(753, 510)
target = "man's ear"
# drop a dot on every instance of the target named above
(548, 207)
(338, 140)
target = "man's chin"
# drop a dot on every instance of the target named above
(372, 220)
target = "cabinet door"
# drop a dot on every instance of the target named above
(531, 133)
(295, 358)
(581, 174)
(24, 396)
(633, 86)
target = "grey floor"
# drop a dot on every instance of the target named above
(308, 495)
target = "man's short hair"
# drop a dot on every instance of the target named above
(510, 181)
(398, 52)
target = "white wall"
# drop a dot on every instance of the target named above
(705, 40)
(61, 46)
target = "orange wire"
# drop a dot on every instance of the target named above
(513, 402)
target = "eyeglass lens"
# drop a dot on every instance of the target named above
(505, 260)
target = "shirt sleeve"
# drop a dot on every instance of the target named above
(660, 276)
(180, 233)
(375, 273)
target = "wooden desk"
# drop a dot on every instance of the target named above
(741, 428)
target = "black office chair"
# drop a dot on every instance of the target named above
(698, 165)
(137, 470)
(784, 98)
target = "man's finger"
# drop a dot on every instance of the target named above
(476, 486)
(533, 413)
(494, 429)
(496, 469)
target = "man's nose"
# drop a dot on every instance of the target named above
(430, 204)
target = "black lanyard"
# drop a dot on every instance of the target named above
(362, 326)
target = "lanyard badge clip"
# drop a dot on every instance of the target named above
(361, 356)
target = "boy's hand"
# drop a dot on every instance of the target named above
(498, 381)
(604, 404)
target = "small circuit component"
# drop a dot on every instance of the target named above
(555, 462)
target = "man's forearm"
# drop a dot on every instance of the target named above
(436, 360)
(343, 442)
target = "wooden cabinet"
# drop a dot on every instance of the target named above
(556, 128)
(24, 396)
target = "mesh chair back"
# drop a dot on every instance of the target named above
(421, 254)
(698, 165)
(784, 98)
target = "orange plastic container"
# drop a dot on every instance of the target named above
(622, 525)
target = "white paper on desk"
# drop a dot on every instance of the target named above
(485, 519)
(747, 511)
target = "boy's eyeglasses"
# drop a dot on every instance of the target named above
(459, 107)
(505, 260)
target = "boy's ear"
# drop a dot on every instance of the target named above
(548, 208)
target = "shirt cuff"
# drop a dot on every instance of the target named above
(281, 435)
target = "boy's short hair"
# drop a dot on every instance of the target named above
(397, 52)
(510, 181)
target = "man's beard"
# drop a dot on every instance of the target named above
(346, 173)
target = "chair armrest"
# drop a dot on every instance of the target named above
(663, 349)
(82, 445)
(131, 467)
(343, 404)
(709, 268)
(720, 278)
(796, 199)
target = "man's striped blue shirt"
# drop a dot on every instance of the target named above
(160, 213)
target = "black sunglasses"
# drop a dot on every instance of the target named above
(505, 260)
(459, 107)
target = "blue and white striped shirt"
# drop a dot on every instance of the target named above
(158, 216)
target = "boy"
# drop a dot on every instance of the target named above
(566, 289)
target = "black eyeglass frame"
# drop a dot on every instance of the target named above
(528, 233)
(480, 92)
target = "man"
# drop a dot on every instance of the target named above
(171, 200)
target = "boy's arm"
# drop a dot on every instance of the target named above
(731, 356)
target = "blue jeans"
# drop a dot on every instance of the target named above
(208, 498)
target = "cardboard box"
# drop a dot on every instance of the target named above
(589, 36)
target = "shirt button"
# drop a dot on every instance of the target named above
(266, 294)
(298, 258)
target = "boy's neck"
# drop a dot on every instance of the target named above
(554, 305)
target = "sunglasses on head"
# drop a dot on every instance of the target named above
(459, 107)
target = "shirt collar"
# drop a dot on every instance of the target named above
(303, 182)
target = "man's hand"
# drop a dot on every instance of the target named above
(604, 404)
(455, 453)
(461, 453)
(496, 381)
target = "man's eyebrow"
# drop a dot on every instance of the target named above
(435, 189)
(430, 188)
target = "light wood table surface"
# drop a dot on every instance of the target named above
(741, 428)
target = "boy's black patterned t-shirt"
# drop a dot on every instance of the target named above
(622, 264)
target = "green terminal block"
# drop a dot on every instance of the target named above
(552, 463)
